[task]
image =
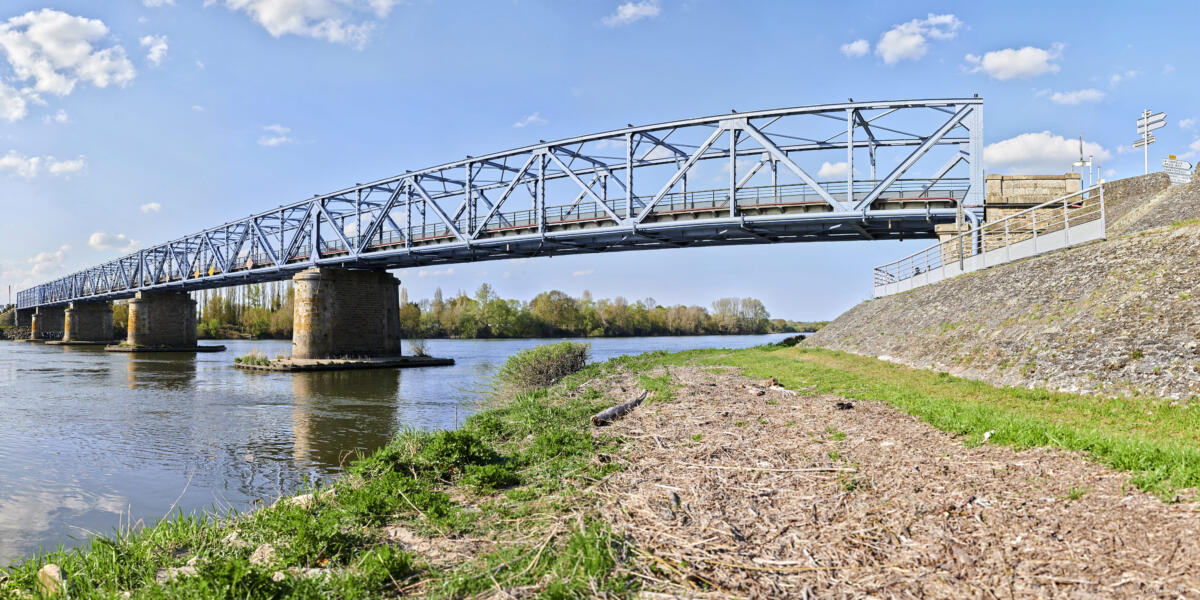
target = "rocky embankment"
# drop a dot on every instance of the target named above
(1120, 316)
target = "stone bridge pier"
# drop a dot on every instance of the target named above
(88, 322)
(162, 320)
(24, 317)
(344, 313)
(46, 321)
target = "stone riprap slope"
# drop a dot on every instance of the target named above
(1123, 196)
(1174, 204)
(1120, 317)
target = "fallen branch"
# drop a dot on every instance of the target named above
(607, 416)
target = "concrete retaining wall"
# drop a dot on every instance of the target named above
(345, 313)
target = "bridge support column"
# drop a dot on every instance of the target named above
(342, 313)
(47, 323)
(24, 317)
(165, 320)
(88, 322)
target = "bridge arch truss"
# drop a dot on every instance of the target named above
(850, 171)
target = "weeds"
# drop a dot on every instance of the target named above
(541, 366)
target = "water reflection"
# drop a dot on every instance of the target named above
(165, 371)
(339, 413)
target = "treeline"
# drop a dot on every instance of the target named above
(258, 310)
(555, 314)
(265, 311)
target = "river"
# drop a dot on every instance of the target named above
(90, 440)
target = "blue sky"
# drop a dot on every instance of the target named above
(130, 122)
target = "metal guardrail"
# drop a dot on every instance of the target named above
(1059, 223)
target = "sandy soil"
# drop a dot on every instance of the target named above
(736, 489)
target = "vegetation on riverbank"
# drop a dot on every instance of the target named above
(511, 470)
(265, 311)
(506, 501)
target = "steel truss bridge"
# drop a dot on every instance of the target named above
(627, 189)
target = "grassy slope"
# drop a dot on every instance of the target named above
(541, 453)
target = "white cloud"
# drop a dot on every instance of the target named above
(856, 48)
(55, 51)
(1168, 70)
(277, 135)
(837, 169)
(435, 272)
(23, 166)
(13, 106)
(65, 167)
(1120, 76)
(156, 48)
(1193, 150)
(329, 20)
(61, 117)
(48, 262)
(106, 241)
(1039, 152)
(197, 108)
(534, 119)
(151, 207)
(632, 12)
(1077, 96)
(200, 65)
(583, 273)
(29, 166)
(910, 41)
(1017, 63)
(157, 3)
(1188, 123)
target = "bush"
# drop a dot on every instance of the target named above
(542, 366)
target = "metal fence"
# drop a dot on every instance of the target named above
(1059, 223)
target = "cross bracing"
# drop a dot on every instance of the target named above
(897, 169)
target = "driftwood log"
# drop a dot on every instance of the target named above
(609, 415)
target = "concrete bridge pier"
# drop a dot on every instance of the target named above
(47, 321)
(344, 313)
(88, 322)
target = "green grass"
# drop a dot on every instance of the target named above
(511, 471)
(520, 472)
(1155, 440)
(661, 388)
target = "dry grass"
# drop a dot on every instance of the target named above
(734, 489)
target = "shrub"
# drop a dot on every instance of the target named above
(418, 348)
(542, 366)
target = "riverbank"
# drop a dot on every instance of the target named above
(853, 476)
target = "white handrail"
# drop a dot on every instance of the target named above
(978, 246)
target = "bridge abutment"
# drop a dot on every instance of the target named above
(343, 313)
(162, 320)
(24, 317)
(47, 322)
(88, 322)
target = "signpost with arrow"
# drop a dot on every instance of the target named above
(1145, 124)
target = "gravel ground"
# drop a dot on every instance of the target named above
(739, 489)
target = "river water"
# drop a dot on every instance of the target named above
(90, 439)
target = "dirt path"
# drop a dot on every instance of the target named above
(752, 492)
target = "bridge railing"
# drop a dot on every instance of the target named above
(945, 189)
(1059, 223)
